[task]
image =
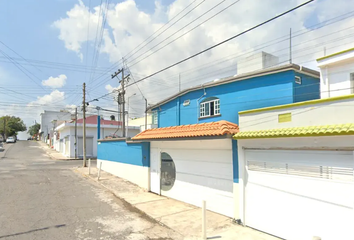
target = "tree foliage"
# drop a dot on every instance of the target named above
(33, 130)
(13, 125)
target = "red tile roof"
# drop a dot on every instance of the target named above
(195, 130)
(93, 120)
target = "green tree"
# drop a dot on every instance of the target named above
(33, 130)
(11, 125)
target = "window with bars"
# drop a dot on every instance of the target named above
(209, 107)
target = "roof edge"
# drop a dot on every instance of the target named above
(244, 76)
(335, 54)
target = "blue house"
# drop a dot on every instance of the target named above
(223, 99)
(192, 154)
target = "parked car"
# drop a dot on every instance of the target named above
(11, 140)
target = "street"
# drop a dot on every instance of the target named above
(41, 198)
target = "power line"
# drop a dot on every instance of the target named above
(172, 25)
(222, 42)
(183, 33)
(114, 65)
(19, 67)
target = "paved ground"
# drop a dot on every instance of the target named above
(41, 198)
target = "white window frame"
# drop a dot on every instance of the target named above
(202, 108)
(298, 80)
(155, 118)
(351, 75)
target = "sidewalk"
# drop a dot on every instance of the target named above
(52, 153)
(181, 217)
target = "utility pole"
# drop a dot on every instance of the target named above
(290, 50)
(84, 124)
(4, 129)
(179, 82)
(75, 132)
(121, 96)
(146, 106)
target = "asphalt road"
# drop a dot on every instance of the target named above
(41, 198)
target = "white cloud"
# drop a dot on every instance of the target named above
(55, 82)
(127, 26)
(54, 98)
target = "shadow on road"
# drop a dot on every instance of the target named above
(34, 230)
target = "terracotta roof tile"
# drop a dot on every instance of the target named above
(194, 130)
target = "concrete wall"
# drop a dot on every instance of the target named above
(130, 161)
(204, 170)
(318, 113)
(335, 79)
(263, 91)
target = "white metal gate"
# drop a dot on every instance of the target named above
(300, 194)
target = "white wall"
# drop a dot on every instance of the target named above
(338, 77)
(68, 129)
(203, 171)
(256, 62)
(138, 175)
(333, 112)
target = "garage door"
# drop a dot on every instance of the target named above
(89, 146)
(192, 171)
(300, 194)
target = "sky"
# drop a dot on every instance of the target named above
(48, 49)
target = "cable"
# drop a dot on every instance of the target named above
(19, 67)
(222, 42)
(172, 25)
(181, 35)
(312, 28)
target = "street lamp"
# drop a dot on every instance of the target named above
(128, 115)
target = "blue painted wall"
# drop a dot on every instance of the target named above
(270, 90)
(309, 88)
(123, 152)
(235, 166)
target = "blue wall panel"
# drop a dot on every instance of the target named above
(309, 88)
(258, 92)
(120, 151)
(235, 166)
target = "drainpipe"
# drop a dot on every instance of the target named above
(198, 103)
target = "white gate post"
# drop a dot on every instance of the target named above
(99, 172)
(204, 236)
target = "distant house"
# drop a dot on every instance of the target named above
(65, 132)
(151, 122)
(48, 121)
(191, 156)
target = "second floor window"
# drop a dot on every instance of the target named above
(209, 107)
(154, 117)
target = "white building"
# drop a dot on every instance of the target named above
(258, 61)
(65, 132)
(48, 120)
(337, 74)
(151, 122)
(296, 161)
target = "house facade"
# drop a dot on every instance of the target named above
(223, 99)
(65, 135)
(48, 121)
(192, 154)
(337, 73)
(296, 161)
